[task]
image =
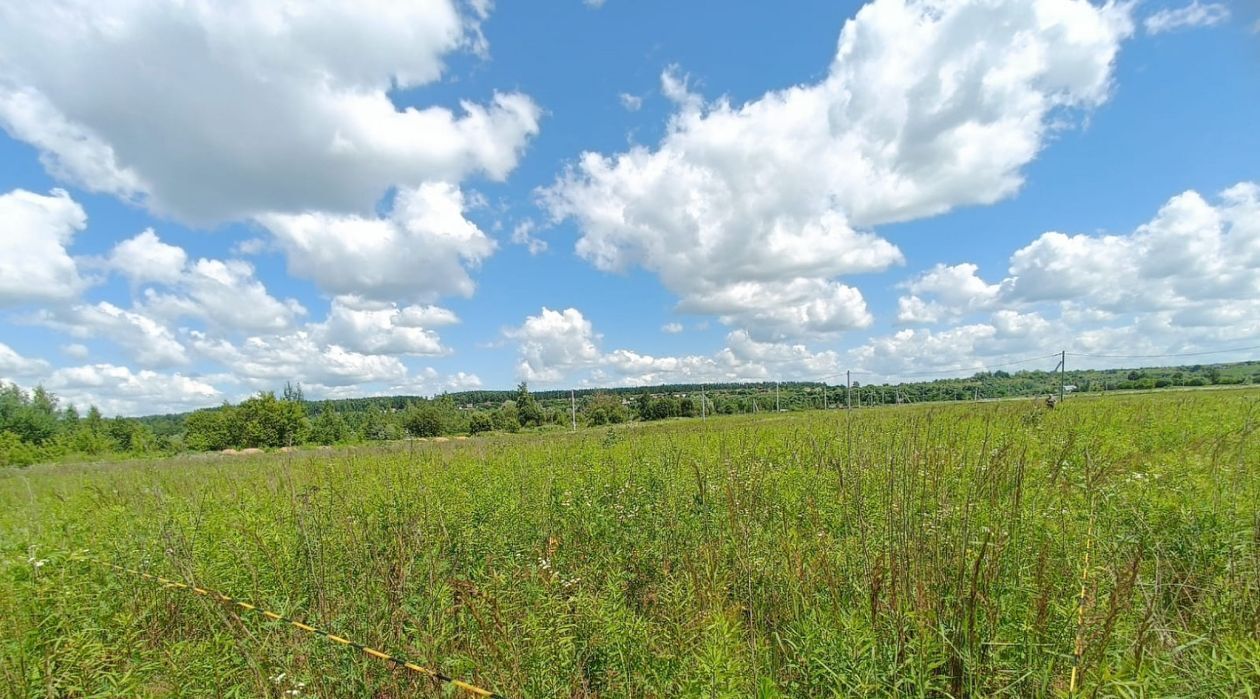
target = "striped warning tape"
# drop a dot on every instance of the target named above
(1078, 648)
(367, 650)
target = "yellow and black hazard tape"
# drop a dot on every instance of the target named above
(1078, 647)
(367, 650)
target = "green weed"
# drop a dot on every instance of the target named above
(927, 551)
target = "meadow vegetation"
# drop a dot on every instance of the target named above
(915, 550)
(264, 421)
(36, 426)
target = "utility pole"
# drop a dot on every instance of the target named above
(573, 409)
(776, 397)
(824, 395)
(704, 411)
(848, 391)
(1062, 369)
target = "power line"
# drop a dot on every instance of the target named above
(939, 372)
(1060, 367)
(981, 368)
(1160, 356)
(1056, 355)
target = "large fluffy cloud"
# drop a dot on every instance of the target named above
(263, 361)
(1014, 341)
(918, 353)
(1192, 252)
(562, 347)
(1193, 259)
(34, 232)
(359, 343)
(420, 251)
(1188, 280)
(751, 211)
(385, 328)
(325, 369)
(14, 365)
(148, 341)
(554, 343)
(145, 258)
(246, 338)
(956, 288)
(216, 111)
(118, 390)
(226, 294)
(286, 114)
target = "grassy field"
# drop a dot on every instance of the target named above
(911, 551)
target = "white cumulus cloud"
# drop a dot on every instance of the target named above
(145, 258)
(752, 211)
(14, 365)
(559, 347)
(264, 361)
(376, 327)
(956, 289)
(34, 232)
(118, 390)
(422, 250)
(554, 342)
(221, 111)
(1193, 258)
(1188, 280)
(1191, 253)
(226, 294)
(148, 341)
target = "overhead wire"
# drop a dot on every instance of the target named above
(1015, 362)
(942, 372)
(1161, 356)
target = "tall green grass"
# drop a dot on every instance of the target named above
(930, 551)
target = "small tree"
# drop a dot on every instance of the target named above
(605, 409)
(33, 418)
(506, 418)
(643, 405)
(268, 422)
(292, 394)
(527, 409)
(422, 420)
(210, 430)
(480, 422)
(15, 452)
(329, 427)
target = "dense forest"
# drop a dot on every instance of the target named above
(35, 427)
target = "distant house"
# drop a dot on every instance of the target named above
(1069, 388)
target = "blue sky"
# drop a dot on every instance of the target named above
(203, 202)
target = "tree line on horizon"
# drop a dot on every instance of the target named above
(35, 427)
